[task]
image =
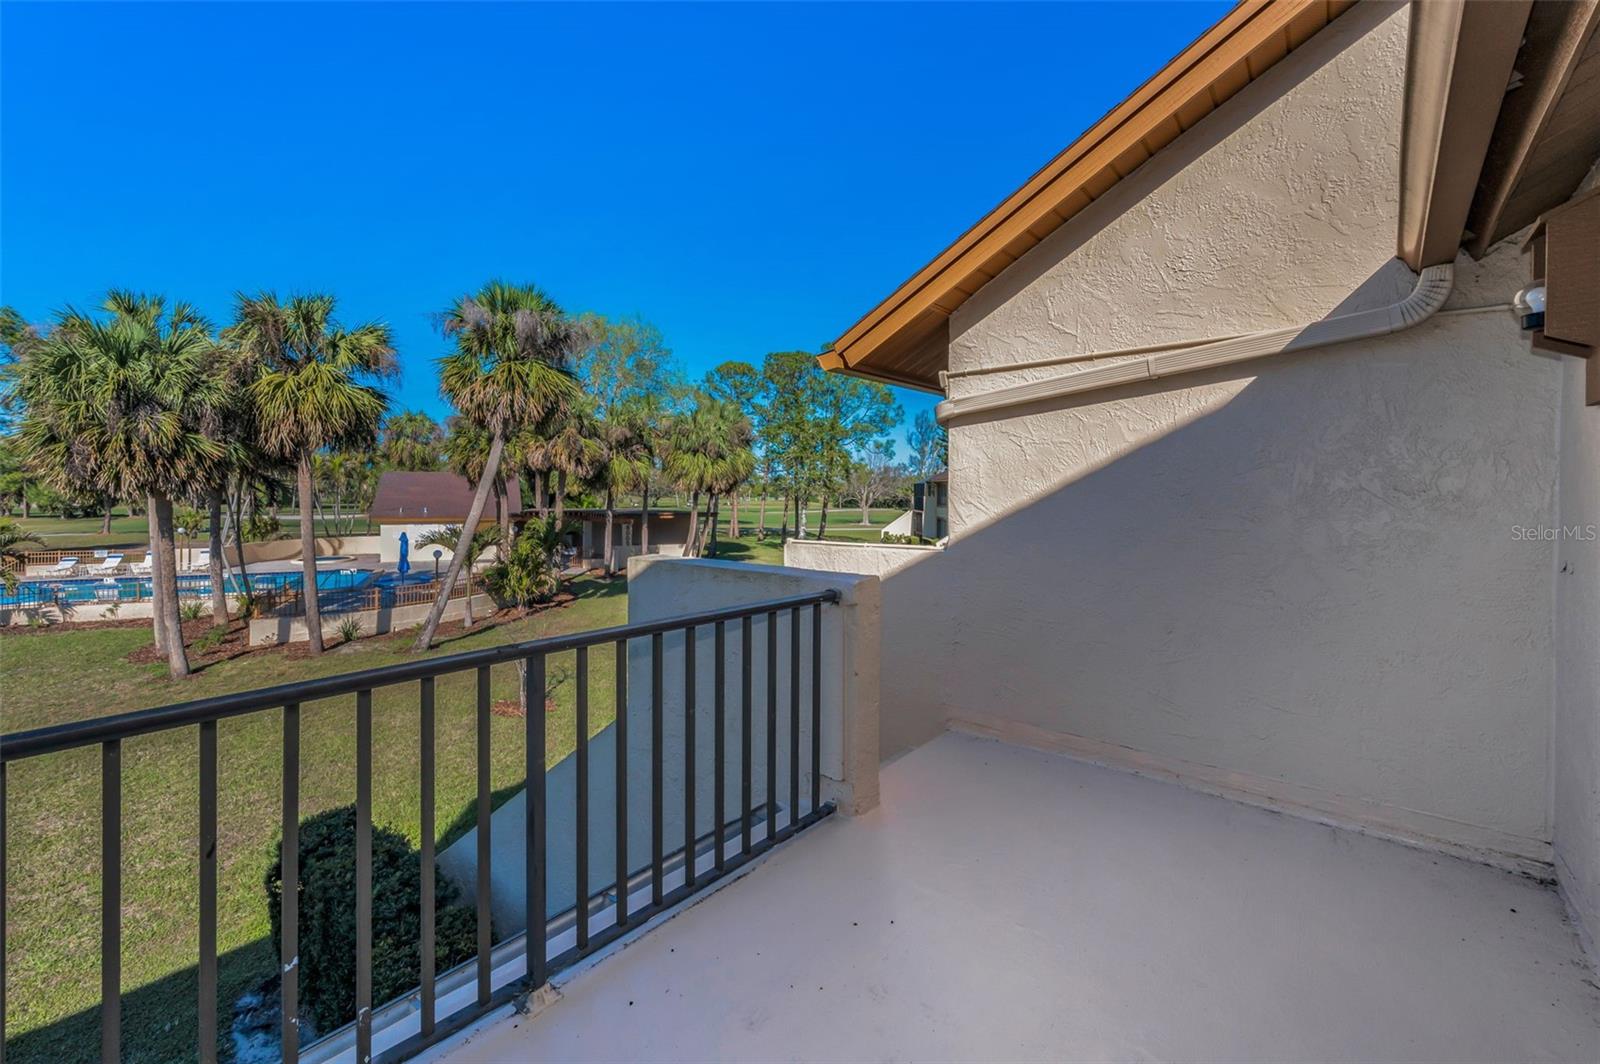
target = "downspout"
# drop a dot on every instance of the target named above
(1431, 290)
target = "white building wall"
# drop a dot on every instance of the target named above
(1295, 580)
(389, 544)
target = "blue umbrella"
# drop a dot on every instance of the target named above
(405, 548)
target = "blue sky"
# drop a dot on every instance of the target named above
(750, 177)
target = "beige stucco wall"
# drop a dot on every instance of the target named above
(1296, 580)
(1577, 601)
(910, 685)
(1577, 724)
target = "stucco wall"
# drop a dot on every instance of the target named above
(909, 703)
(1577, 725)
(1576, 749)
(1294, 580)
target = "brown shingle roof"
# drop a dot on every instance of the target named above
(427, 497)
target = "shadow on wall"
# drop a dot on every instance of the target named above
(1310, 575)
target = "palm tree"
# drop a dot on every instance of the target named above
(708, 452)
(317, 388)
(466, 452)
(128, 407)
(624, 464)
(641, 416)
(412, 441)
(509, 370)
(13, 559)
(449, 537)
(734, 465)
(574, 451)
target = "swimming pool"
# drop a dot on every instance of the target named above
(137, 588)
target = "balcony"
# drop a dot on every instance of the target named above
(1004, 903)
(969, 899)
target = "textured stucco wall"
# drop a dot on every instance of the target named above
(1295, 579)
(1576, 748)
(1577, 726)
(911, 708)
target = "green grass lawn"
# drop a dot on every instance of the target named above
(53, 863)
(79, 533)
(842, 525)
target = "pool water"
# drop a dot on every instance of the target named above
(137, 588)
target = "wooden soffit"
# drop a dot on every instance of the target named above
(1460, 61)
(903, 340)
(1547, 136)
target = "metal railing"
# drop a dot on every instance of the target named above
(615, 907)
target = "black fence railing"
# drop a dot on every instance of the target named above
(619, 907)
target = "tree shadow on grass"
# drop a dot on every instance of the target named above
(159, 1019)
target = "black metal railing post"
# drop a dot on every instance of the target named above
(816, 707)
(363, 876)
(533, 691)
(719, 753)
(208, 892)
(289, 919)
(688, 755)
(111, 901)
(481, 893)
(621, 739)
(745, 753)
(581, 798)
(794, 722)
(426, 890)
(772, 729)
(657, 714)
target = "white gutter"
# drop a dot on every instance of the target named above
(1431, 290)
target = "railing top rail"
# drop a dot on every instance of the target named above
(24, 744)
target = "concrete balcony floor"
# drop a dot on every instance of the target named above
(1009, 904)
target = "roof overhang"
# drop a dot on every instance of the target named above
(1502, 120)
(904, 339)
(1459, 63)
(1547, 136)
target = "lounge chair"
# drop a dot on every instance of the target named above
(108, 565)
(143, 567)
(201, 560)
(62, 567)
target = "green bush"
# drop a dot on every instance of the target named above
(528, 573)
(328, 916)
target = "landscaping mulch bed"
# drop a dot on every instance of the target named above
(71, 626)
(207, 649)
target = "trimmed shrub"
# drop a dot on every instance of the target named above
(328, 917)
